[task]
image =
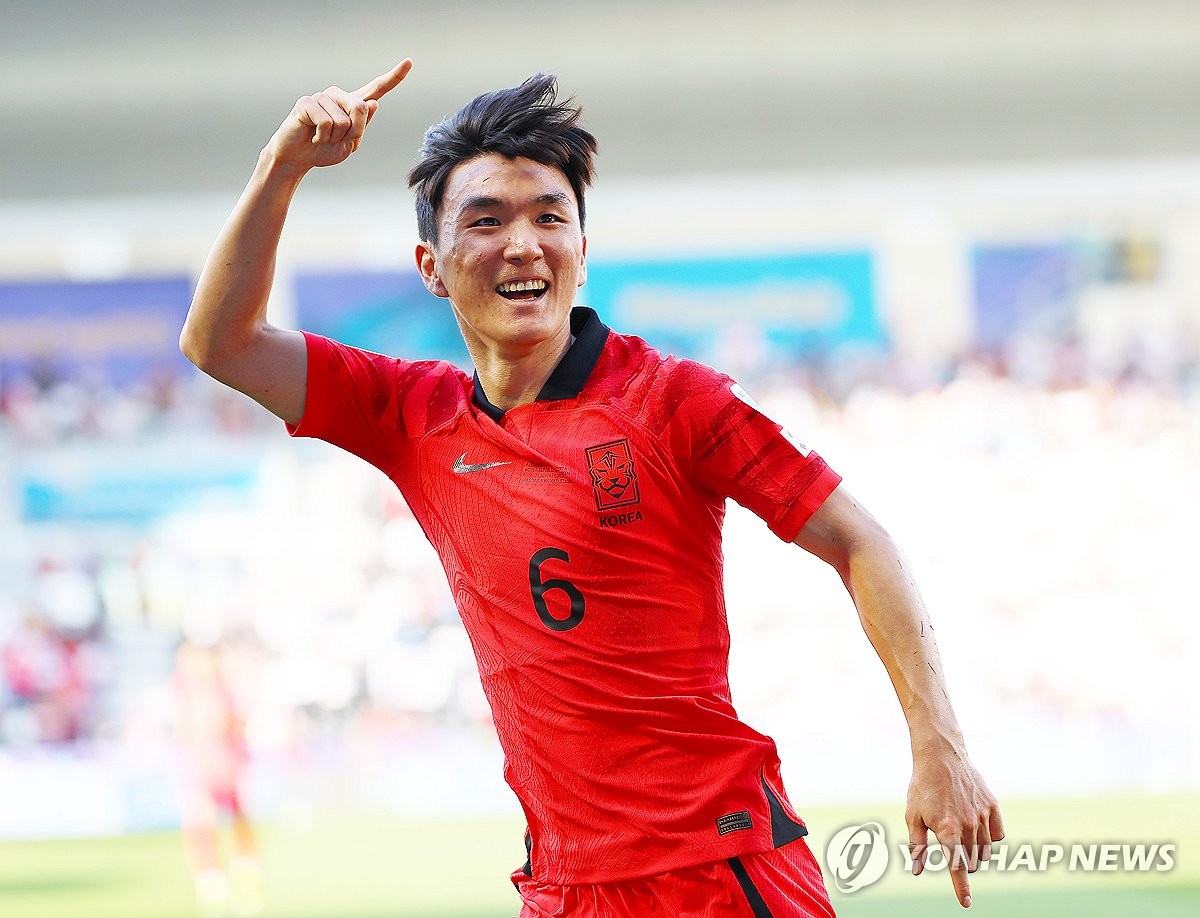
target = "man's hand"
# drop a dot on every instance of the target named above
(948, 797)
(325, 128)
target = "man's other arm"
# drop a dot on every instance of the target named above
(946, 795)
(226, 333)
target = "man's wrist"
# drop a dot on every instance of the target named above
(272, 169)
(936, 740)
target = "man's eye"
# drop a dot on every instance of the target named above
(550, 218)
(486, 221)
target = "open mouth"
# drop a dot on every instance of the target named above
(523, 290)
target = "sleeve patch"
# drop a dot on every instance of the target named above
(743, 396)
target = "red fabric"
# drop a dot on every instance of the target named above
(583, 551)
(788, 879)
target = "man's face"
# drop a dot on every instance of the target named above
(510, 253)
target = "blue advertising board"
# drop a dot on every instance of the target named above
(389, 312)
(1024, 288)
(801, 303)
(135, 483)
(122, 330)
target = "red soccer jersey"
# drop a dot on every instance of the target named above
(581, 537)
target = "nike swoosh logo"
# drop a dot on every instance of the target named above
(460, 466)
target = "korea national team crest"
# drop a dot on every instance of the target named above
(613, 476)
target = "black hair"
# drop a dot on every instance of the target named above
(526, 120)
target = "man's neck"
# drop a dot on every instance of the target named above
(515, 377)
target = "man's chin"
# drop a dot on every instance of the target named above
(532, 326)
(534, 305)
(518, 324)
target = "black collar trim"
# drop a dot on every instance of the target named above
(573, 370)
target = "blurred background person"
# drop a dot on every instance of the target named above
(210, 733)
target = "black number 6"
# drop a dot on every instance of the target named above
(538, 588)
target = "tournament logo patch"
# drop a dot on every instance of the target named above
(613, 476)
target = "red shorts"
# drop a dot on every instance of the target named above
(784, 883)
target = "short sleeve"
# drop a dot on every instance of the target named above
(734, 450)
(371, 405)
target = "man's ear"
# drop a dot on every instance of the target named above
(428, 268)
(583, 264)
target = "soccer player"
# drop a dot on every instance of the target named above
(210, 737)
(574, 487)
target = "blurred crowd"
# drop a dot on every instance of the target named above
(44, 406)
(1046, 496)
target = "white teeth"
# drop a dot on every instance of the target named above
(521, 286)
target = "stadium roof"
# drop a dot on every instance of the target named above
(159, 96)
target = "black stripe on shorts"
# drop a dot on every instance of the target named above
(753, 896)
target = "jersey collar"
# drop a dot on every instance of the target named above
(572, 371)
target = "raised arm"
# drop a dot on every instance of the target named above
(226, 333)
(946, 794)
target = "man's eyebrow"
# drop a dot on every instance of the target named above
(553, 197)
(479, 202)
(486, 202)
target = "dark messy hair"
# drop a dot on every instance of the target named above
(526, 120)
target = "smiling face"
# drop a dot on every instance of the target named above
(510, 254)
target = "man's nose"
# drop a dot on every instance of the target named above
(522, 245)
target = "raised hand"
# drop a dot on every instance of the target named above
(325, 128)
(227, 333)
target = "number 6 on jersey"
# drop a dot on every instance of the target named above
(538, 588)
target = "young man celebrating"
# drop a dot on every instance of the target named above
(574, 489)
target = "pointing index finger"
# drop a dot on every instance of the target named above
(381, 85)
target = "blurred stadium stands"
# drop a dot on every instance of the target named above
(965, 268)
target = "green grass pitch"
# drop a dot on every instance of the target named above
(355, 865)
